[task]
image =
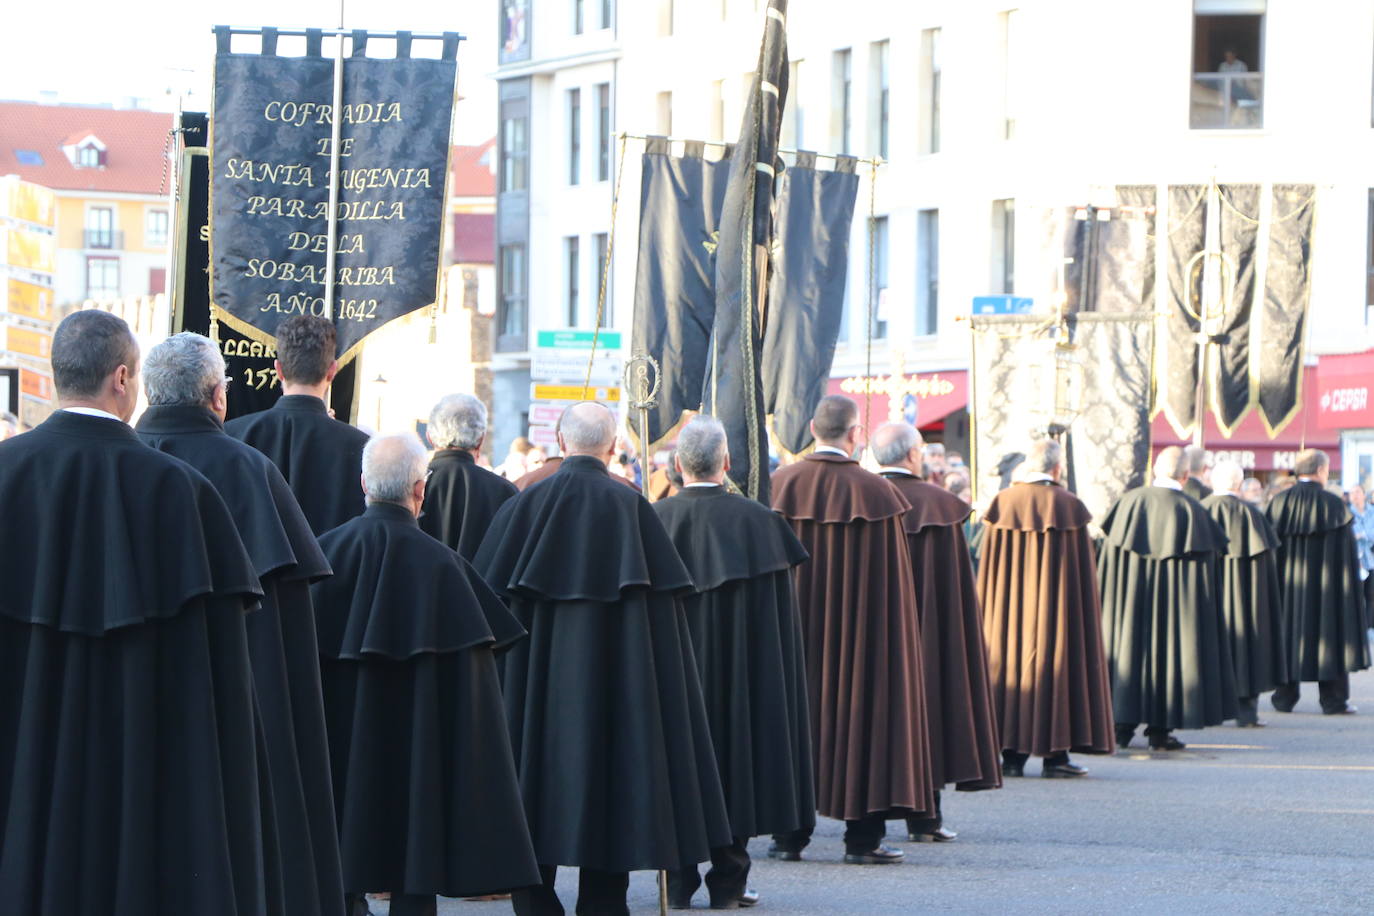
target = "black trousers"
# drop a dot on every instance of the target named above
(1334, 694)
(401, 904)
(1247, 710)
(916, 823)
(862, 835)
(1016, 758)
(726, 881)
(599, 893)
(1369, 601)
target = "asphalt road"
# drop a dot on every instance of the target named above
(1254, 821)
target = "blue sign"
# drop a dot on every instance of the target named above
(1002, 305)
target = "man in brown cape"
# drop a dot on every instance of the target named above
(865, 678)
(1042, 621)
(963, 732)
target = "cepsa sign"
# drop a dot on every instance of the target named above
(1343, 384)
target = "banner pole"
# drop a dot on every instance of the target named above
(331, 251)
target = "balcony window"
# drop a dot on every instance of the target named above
(572, 256)
(930, 94)
(603, 131)
(513, 308)
(603, 245)
(1227, 88)
(841, 82)
(1003, 246)
(879, 96)
(879, 304)
(515, 145)
(100, 231)
(927, 272)
(574, 136)
(102, 278)
(155, 228)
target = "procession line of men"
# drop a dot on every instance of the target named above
(237, 678)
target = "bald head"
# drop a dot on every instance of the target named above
(1172, 464)
(892, 446)
(587, 428)
(394, 470)
(835, 421)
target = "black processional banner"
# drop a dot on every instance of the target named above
(1231, 379)
(1089, 375)
(1178, 361)
(272, 145)
(806, 294)
(1287, 287)
(675, 282)
(248, 362)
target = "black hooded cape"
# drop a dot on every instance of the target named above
(746, 636)
(461, 499)
(1320, 582)
(128, 756)
(424, 782)
(604, 704)
(1168, 654)
(298, 820)
(1250, 597)
(320, 457)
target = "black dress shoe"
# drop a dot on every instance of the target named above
(1013, 769)
(1258, 723)
(1166, 743)
(743, 901)
(1346, 710)
(679, 904)
(938, 835)
(1064, 770)
(784, 855)
(883, 855)
(1124, 736)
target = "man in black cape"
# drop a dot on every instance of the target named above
(1319, 578)
(128, 774)
(605, 709)
(461, 498)
(318, 455)
(1249, 588)
(1167, 651)
(963, 732)
(187, 397)
(1196, 484)
(424, 781)
(747, 639)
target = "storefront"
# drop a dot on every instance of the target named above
(1249, 444)
(1344, 405)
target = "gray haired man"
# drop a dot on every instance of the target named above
(462, 498)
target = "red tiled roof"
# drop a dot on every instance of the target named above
(133, 141)
(474, 238)
(474, 171)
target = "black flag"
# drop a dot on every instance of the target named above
(1287, 286)
(806, 292)
(733, 387)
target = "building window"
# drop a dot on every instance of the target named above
(1004, 246)
(1012, 71)
(602, 241)
(102, 277)
(879, 304)
(879, 95)
(927, 272)
(155, 228)
(718, 110)
(930, 97)
(792, 121)
(841, 79)
(607, 14)
(665, 18)
(572, 263)
(574, 136)
(515, 145)
(89, 157)
(1227, 90)
(100, 227)
(579, 16)
(603, 131)
(664, 107)
(513, 298)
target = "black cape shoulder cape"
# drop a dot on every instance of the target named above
(424, 781)
(128, 755)
(605, 709)
(1320, 583)
(461, 499)
(747, 639)
(1250, 599)
(298, 818)
(320, 457)
(1162, 627)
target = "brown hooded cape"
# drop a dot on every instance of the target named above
(865, 678)
(1042, 623)
(964, 746)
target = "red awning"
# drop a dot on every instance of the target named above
(1343, 383)
(923, 399)
(1250, 445)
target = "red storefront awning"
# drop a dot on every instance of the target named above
(922, 399)
(1343, 383)
(1250, 445)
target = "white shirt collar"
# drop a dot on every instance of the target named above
(93, 412)
(1167, 484)
(831, 450)
(1035, 477)
(703, 483)
(891, 470)
(1307, 480)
